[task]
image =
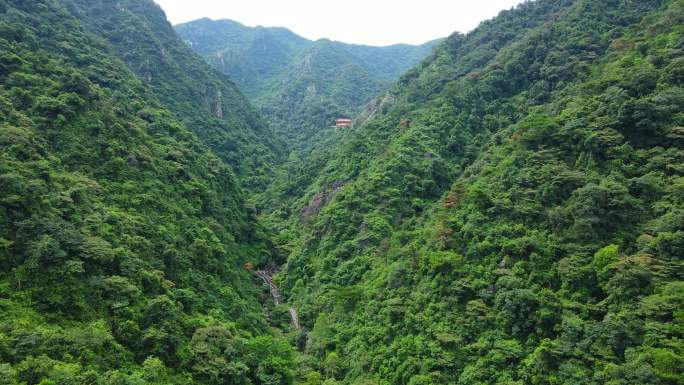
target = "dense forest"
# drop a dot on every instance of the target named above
(208, 103)
(509, 211)
(300, 86)
(122, 234)
(525, 228)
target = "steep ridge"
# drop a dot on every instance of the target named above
(522, 226)
(207, 102)
(122, 235)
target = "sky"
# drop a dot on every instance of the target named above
(372, 22)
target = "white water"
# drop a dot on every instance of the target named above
(277, 298)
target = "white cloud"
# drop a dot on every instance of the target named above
(375, 22)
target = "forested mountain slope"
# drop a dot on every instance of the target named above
(250, 56)
(510, 212)
(206, 101)
(300, 85)
(122, 236)
(526, 227)
(253, 55)
(322, 84)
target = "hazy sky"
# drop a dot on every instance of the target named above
(375, 22)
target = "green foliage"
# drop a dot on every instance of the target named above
(511, 212)
(122, 235)
(206, 102)
(300, 85)
(524, 228)
(603, 260)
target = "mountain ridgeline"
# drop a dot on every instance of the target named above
(508, 210)
(300, 85)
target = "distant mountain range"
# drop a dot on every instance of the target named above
(300, 85)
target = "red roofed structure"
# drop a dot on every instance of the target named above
(343, 122)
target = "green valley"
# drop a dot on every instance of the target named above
(508, 207)
(300, 85)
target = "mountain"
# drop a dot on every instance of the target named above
(300, 85)
(206, 101)
(253, 55)
(123, 234)
(511, 212)
(250, 56)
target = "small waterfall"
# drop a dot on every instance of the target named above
(267, 277)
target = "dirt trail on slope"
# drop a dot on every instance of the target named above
(267, 277)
